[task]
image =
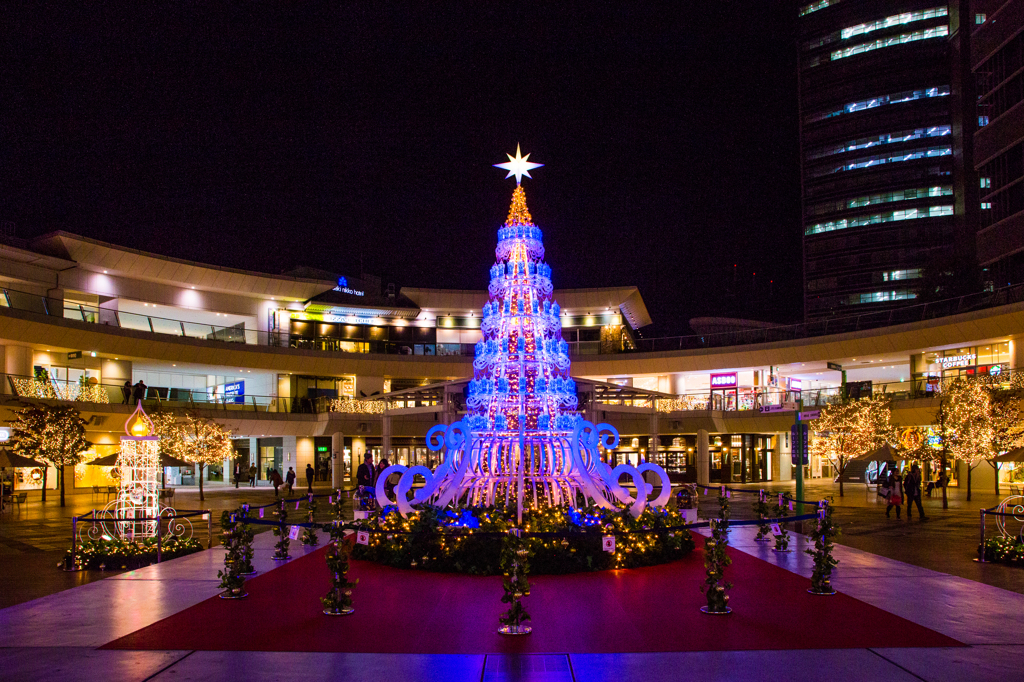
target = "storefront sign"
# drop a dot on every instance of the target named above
(794, 384)
(234, 392)
(952, 361)
(784, 407)
(344, 288)
(726, 380)
(5, 435)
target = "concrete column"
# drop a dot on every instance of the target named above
(358, 450)
(17, 361)
(654, 442)
(703, 458)
(385, 437)
(338, 462)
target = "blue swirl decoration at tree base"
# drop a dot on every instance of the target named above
(522, 443)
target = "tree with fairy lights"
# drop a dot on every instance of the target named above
(54, 435)
(965, 420)
(195, 439)
(1007, 424)
(852, 428)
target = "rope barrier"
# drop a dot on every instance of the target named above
(485, 533)
(751, 491)
(991, 512)
(109, 516)
(278, 500)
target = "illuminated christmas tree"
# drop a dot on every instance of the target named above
(523, 442)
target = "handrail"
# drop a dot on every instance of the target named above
(43, 305)
(746, 398)
(189, 398)
(839, 324)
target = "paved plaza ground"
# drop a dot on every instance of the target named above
(920, 571)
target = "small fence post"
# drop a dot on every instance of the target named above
(159, 539)
(209, 529)
(981, 545)
(74, 545)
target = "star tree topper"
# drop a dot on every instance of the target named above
(518, 166)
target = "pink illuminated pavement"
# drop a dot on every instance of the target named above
(57, 637)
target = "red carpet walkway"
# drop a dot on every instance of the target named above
(642, 610)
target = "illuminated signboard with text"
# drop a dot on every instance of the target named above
(952, 361)
(725, 380)
(344, 288)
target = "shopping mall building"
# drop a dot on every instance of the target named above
(312, 368)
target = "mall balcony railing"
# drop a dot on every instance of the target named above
(158, 396)
(55, 307)
(839, 324)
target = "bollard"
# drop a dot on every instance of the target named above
(209, 530)
(981, 545)
(159, 540)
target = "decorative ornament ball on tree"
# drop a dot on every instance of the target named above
(522, 444)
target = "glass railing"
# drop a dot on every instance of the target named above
(158, 396)
(834, 325)
(53, 307)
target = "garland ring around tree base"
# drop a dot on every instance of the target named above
(467, 540)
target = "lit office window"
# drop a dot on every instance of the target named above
(880, 198)
(982, 121)
(872, 26)
(879, 159)
(986, 183)
(882, 296)
(986, 205)
(888, 138)
(876, 218)
(894, 20)
(895, 275)
(815, 6)
(979, 19)
(864, 104)
(935, 32)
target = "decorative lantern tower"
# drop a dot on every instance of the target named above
(139, 463)
(523, 442)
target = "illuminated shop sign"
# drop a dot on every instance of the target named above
(5, 435)
(952, 361)
(726, 380)
(233, 392)
(795, 384)
(337, 319)
(344, 288)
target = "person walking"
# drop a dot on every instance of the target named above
(252, 475)
(289, 479)
(275, 478)
(238, 472)
(893, 487)
(310, 475)
(912, 492)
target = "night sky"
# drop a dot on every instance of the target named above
(329, 134)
